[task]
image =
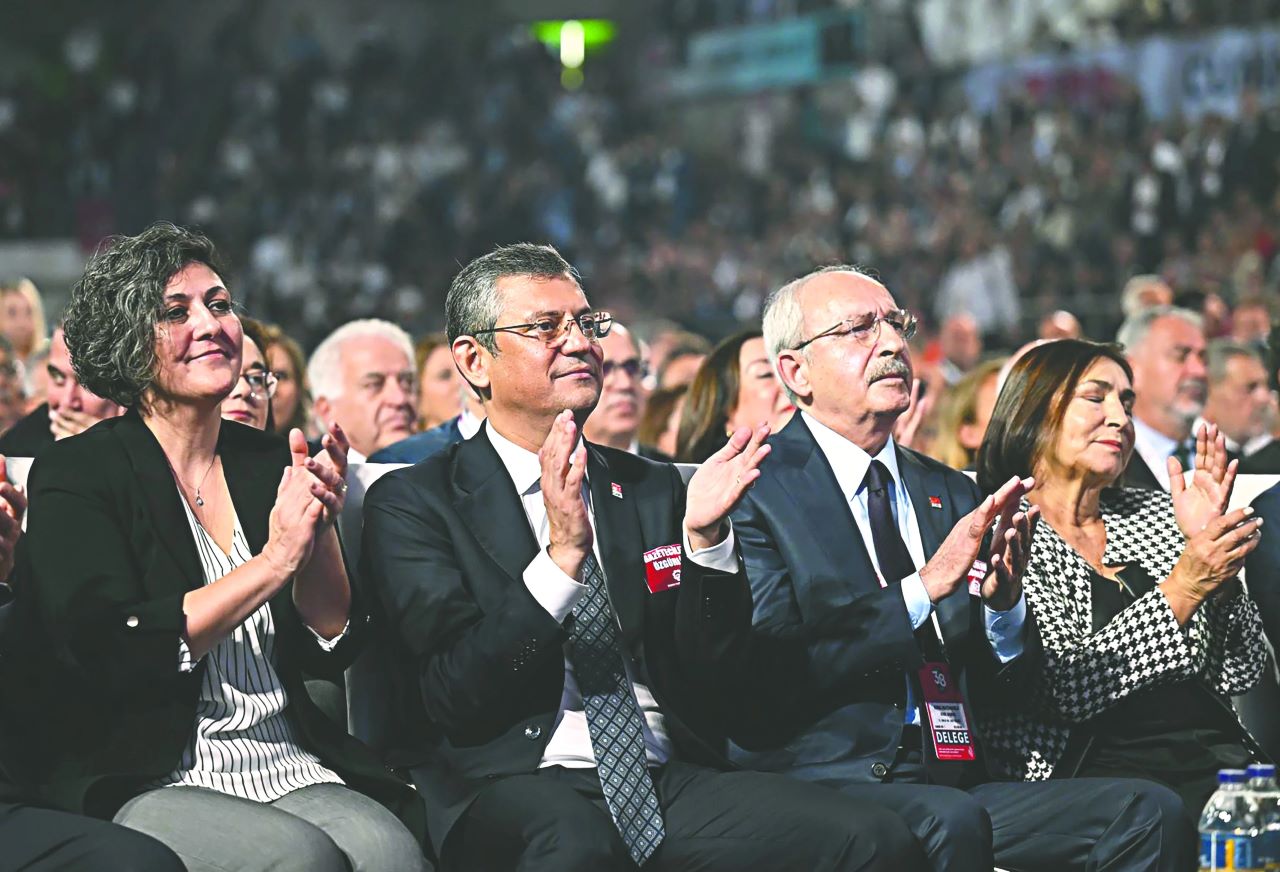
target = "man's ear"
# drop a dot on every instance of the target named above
(321, 408)
(473, 361)
(793, 369)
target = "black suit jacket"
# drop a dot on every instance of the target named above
(29, 436)
(1138, 474)
(481, 663)
(107, 560)
(1264, 461)
(1262, 567)
(814, 588)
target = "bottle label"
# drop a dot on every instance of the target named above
(1227, 852)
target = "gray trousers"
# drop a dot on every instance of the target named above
(321, 828)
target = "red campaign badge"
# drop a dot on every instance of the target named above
(662, 568)
(935, 502)
(948, 719)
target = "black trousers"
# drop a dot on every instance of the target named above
(1081, 824)
(556, 820)
(42, 840)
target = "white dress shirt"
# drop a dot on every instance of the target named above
(1155, 449)
(558, 593)
(850, 463)
(468, 424)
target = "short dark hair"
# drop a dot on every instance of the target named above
(110, 325)
(473, 304)
(1028, 412)
(711, 398)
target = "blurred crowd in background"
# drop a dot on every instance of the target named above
(352, 187)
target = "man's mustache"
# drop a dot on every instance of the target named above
(888, 367)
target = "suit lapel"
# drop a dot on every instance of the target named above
(620, 543)
(162, 502)
(921, 484)
(488, 502)
(801, 471)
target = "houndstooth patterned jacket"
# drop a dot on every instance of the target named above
(1086, 673)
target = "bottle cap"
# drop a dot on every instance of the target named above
(1232, 776)
(1261, 770)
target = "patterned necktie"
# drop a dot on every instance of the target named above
(614, 720)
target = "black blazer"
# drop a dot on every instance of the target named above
(813, 583)
(107, 562)
(1262, 567)
(29, 436)
(480, 662)
(1138, 474)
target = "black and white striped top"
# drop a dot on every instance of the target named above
(243, 743)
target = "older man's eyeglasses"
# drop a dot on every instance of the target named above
(554, 331)
(866, 330)
(262, 384)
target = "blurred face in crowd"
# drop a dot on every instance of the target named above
(1060, 325)
(250, 400)
(617, 416)
(669, 441)
(531, 380)
(970, 435)
(18, 320)
(375, 405)
(856, 389)
(681, 370)
(761, 398)
(1095, 436)
(1240, 404)
(439, 389)
(1251, 323)
(288, 384)
(72, 407)
(1169, 376)
(961, 341)
(198, 339)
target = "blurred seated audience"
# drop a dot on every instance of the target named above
(22, 319)
(250, 400)
(1240, 401)
(1142, 292)
(439, 385)
(422, 445)
(1251, 321)
(960, 344)
(1060, 325)
(362, 379)
(1165, 346)
(183, 571)
(291, 405)
(615, 422)
(660, 425)
(1267, 457)
(1147, 631)
(680, 364)
(962, 416)
(36, 380)
(71, 407)
(735, 387)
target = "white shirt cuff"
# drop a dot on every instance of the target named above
(916, 598)
(330, 644)
(551, 587)
(186, 662)
(717, 558)
(1004, 630)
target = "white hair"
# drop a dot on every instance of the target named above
(783, 320)
(1133, 332)
(324, 369)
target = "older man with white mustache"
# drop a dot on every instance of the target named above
(1165, 346)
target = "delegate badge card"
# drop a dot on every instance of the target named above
(948, 720)
(662, 568)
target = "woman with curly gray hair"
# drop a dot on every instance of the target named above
(185, 572)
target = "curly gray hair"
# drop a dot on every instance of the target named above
(110, 325)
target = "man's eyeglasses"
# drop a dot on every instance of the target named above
(594, 325)
(632, 367)
(866, 330)
(262, 385)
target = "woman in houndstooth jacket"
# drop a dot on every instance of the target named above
(1145, 627)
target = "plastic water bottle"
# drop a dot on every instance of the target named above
(1229, 826)
(1266, 797)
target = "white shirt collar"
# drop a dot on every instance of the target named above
(1150, 441)
(522, 465)
(848, 461)
(468, 424)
